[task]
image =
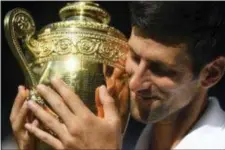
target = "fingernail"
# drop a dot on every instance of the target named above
(58, 80)
(30, 104)
(35, 122)
(102, 91)
(20, 87)
(54, 78)
(27, 126)
(102, 87)
(25, 102)
(40, 86)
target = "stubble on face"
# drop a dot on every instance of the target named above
(176, 92)
(169, 107)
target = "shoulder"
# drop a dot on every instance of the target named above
(209, 131)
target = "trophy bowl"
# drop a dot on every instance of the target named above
(82, 49)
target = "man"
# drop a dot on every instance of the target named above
(177, 55)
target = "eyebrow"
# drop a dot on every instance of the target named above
(155, 62)
(133, 51)
(161, 64)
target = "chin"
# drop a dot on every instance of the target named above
(146, 116)
(137, 113)
(154, 120)
(136, 116)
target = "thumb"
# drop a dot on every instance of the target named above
(110, 110)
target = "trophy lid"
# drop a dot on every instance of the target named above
(84, 11)
(85, 15)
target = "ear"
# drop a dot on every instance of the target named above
(212, 72)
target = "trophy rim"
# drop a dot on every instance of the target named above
(84, 25)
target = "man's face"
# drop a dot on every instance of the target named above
(161, 79)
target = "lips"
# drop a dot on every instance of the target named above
(147, 96)
(142, 98)
(146, 93)
(146, 99)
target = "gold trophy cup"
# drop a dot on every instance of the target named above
(82, 49)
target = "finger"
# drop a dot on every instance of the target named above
(117, 73)
(110, 110)
(35, 123)
(19, 100)
(30, 116)
(123, 100)
(44, 136)
(71, 99)
(111, 88)
(48, 120)
(99, 105)
(21, 117)
(56, 102)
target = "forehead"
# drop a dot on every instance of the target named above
(152, 50)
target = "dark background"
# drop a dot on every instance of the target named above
(43, 14)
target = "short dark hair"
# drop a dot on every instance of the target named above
(199, 25)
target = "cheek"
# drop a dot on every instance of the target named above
(181, 78)
(173, 85)
(181, 96)
(164, 83)
(176, 100)
(177, 94)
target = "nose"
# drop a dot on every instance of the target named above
(139, 79)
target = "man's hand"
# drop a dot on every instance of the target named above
(81, 129)
(18, 117)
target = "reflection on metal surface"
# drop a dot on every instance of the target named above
(79, 49)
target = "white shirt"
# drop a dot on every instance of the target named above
(207, 133)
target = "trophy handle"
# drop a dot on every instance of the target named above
(19, 27)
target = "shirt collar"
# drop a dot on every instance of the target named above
(212, 121)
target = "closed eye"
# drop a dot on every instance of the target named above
(134, 56)
(161, 70)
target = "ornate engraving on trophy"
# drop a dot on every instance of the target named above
(64, 46)
(23, 25)
(74, 49)
(22, 22)
(87, 46)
